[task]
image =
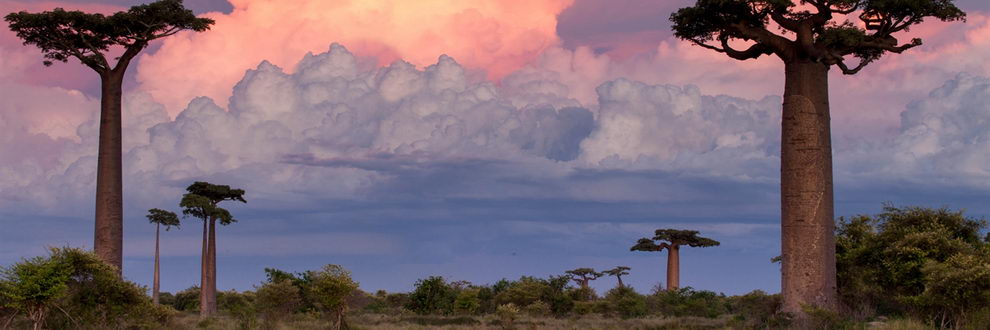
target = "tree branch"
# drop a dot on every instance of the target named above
(845, 69)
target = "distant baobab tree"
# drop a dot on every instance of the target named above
(88, 37)
(672, 240)
(160, 218)
(201, 201)
(814, 36)
(582, 276)
(618, 272)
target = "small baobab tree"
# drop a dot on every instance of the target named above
(582, 276)
(618, 272)
(160, 218)
(672, 240)
(201, 201)
(810, 37)
(89, 38)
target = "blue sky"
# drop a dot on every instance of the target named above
(400, 172)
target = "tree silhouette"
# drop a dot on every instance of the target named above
(201, 201)
(582, 276)
(618, 272)
(88, 37)
(814, 36)
(160, 218)
(672, 240)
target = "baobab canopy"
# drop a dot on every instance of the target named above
(63, 34)
(820, 33)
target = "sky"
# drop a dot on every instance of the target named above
(472, 140)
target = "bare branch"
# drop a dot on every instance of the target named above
(845, 69)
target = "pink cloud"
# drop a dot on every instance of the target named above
(495, 36)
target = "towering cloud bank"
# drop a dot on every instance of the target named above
(489, 36)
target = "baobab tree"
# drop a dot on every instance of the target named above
(582, 276)
(815, 35)
(201, 201)
(90, 38)
(160, 218)
(618, 272)
(672, 240)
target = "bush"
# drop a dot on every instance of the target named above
(187, 300)
(626, 302)
(329, 289)
(72, 288)
(432, 296)
(757, 310)
(913, 261)
(538, 309)
(507, 314)
(687, 302)
(277, 300)
(467, 301)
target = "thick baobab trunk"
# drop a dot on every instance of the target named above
(155, 287)
(211, 297)
(807, 224)
(203, 269)
(673, 267)
(108, 240)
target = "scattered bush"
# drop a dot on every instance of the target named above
(328, 289)
(467, 302)
(276, 300)
(432, 296)
(626, 302)
(687, 302)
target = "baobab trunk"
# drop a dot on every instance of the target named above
(156, 285)
(203, 268)
(211, 294)
(807, 242)
(673, 267)
(108, 240)
(620, 281)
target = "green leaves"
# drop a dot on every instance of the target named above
(813, 31)
(202, 198)
(162, 217)
(62, 34)
(684, 237)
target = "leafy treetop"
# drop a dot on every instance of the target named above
(672, 238)
(617, 271)
(202, 199)
(584, 273)
(164, 218)
(810, 28)
(63, 34)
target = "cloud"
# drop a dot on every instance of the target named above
(493, 36)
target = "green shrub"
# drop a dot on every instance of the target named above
(432, 296)
(187, 300)
(584, 307)
(687, 302)
(329, 288)
(538, 309)
(467, 301)
(757, 310)
(275, 301)
(626, 302)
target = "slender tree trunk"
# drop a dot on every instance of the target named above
(108, 240)
(157, 284)
(807, 223)
(203, 269)
(212, 280)
(620, 281)
(673, 267)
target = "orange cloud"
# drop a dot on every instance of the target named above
(495, 36)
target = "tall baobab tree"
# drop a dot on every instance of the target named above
(89, 38)
(618, 272)
(160, 218)
(201, 201)
(815, 35)
(582, 276)
(672, 240)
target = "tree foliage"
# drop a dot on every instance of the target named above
(62, 34)
(810, 29)
(672, 237)
(163, 218)
(329, 288)
(914, 260)
(202, 198)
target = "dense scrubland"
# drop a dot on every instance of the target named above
(903, 268)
